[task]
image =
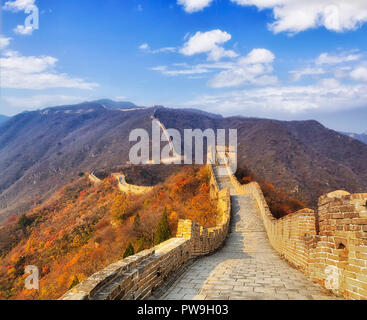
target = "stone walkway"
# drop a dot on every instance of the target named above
(246, 268)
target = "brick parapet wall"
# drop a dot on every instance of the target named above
(342, 245)
(93, 178)
(126, 187)
(206, 240)
(137, 276)
(329, 245)
(214, 187)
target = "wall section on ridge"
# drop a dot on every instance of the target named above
(137, 276)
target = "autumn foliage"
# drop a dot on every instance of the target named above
(279, 202)
(86, 227)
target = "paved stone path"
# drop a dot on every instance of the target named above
(246, 268)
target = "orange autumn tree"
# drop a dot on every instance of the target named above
(279, 202)
(85, 227)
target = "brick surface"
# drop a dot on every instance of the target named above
(247, 267)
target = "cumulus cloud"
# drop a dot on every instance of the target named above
(326, 58)
(18, 5)
(299, 15)
(251, 69)
(30, 72)
(4, 42)
(323, 96)
(210, 43)
(294, 16)
(359, 74)
(258, 56)
(191, 6)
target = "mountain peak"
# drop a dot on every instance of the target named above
(116, 104)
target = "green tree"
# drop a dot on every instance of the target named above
(129, 251)
(163, 232)
(24, 222)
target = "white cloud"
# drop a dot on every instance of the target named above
(359, 74)
(30, 72)
(251, 69)
(341, 72)
(329, 83)
(255, 68)
(209, 43)
(298, 15)
(4, 42)
(323, 96)
(191, 6)
(258, 56)
(186, 70)
(165, 49)
(294, 16)
(28, 6)
(336, 65)
(145, 47)
(18, 5)
(159, 68)
(298, 74)
(326, 58)
(25, 31)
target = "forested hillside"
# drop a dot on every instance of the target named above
(86, 227)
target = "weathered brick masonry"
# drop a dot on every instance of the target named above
(126, 187)
(329, 245)
(137, 276)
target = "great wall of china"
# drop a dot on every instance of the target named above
(137, 276)
(126, 187)
(330, 245)
(249, 254)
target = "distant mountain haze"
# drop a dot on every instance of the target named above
(116, 104)
(3, 118)
(361, 137)
(41, 151)
(302, 157)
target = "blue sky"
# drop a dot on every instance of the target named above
(277, 59)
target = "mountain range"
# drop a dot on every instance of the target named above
(3, 118)
(361, 137)
(41, 151)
